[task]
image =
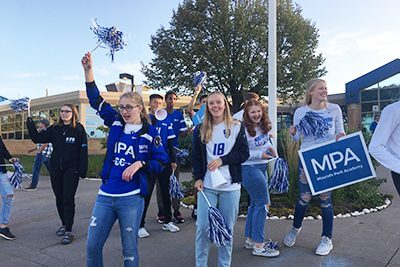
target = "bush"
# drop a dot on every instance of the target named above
(186, 143)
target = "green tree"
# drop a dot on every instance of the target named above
(228, 39)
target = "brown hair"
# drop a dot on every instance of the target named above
(264, 124)
(74, 119)
(207, 126)
(250, 95)
(138, 100)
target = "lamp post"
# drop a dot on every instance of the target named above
(126, 76)
(272, 79)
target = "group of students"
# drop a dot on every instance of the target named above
(141, 152)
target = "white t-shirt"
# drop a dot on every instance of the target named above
(333, 116)
(220, 145)
(239, 115)
(257, 145)
(385, 143)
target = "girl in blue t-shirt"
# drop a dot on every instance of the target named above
(134, 150)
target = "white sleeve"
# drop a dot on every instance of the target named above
(298, 114)
(378, 146)
(255, 154)
(339, 121)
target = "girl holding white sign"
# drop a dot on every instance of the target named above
(316, 122)
(220, 147)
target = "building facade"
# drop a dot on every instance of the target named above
(13, 127)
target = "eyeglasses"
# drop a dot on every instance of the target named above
(65, 111)
(128, 108)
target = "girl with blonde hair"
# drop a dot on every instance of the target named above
(220, 147)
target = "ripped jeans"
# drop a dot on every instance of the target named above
(7, 198)
(305, 198)
(128, 210)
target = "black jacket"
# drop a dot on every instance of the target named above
(69, 145)
(238, 155)
(4, 154)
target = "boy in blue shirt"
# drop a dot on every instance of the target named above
(180, 130)
(164, 128)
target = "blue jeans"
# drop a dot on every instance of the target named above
(7, 198)
(256, 184)
(304, 199)
(37, 165)
(128, 210)
(228, 204)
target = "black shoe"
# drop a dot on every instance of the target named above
(67, 239)
(161, 219)
(61, 231)
(194, 214)
(30, 188)
(178, 217)
(6, 234)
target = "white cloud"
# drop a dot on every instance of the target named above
(72, 78)
(28, 74)
(352, 54)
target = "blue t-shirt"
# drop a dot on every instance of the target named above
(164, 129)
(178, 124)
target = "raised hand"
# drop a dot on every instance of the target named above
(87, 61)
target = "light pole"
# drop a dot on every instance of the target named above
(126, 76)
(272, 80)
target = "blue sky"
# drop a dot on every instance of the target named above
(43, 41)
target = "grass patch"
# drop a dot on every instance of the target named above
(94, 167)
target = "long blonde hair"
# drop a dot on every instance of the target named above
(311, 84)
(138, 100)
(207, 126)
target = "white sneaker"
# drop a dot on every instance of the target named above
(249, 244)
(290, 238)
(324, 247)
(265, 252)
(170, 227)
(142, 233)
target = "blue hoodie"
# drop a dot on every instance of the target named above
(144, 146)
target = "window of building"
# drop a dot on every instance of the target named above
(93, 121)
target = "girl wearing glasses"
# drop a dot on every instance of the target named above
(134, 150)
(69, 161)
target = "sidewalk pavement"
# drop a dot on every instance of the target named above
(368, 240)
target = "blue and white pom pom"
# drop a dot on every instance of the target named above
(199, 77)
(272, 244)
(16, 178)
(314, 124)
(279, 182)
(183, 156)
(218, 232)
(111, 38)
(174, 188)
(21, 104)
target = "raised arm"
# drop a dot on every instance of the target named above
(38, 137)
(192, 102)
(96, 101)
